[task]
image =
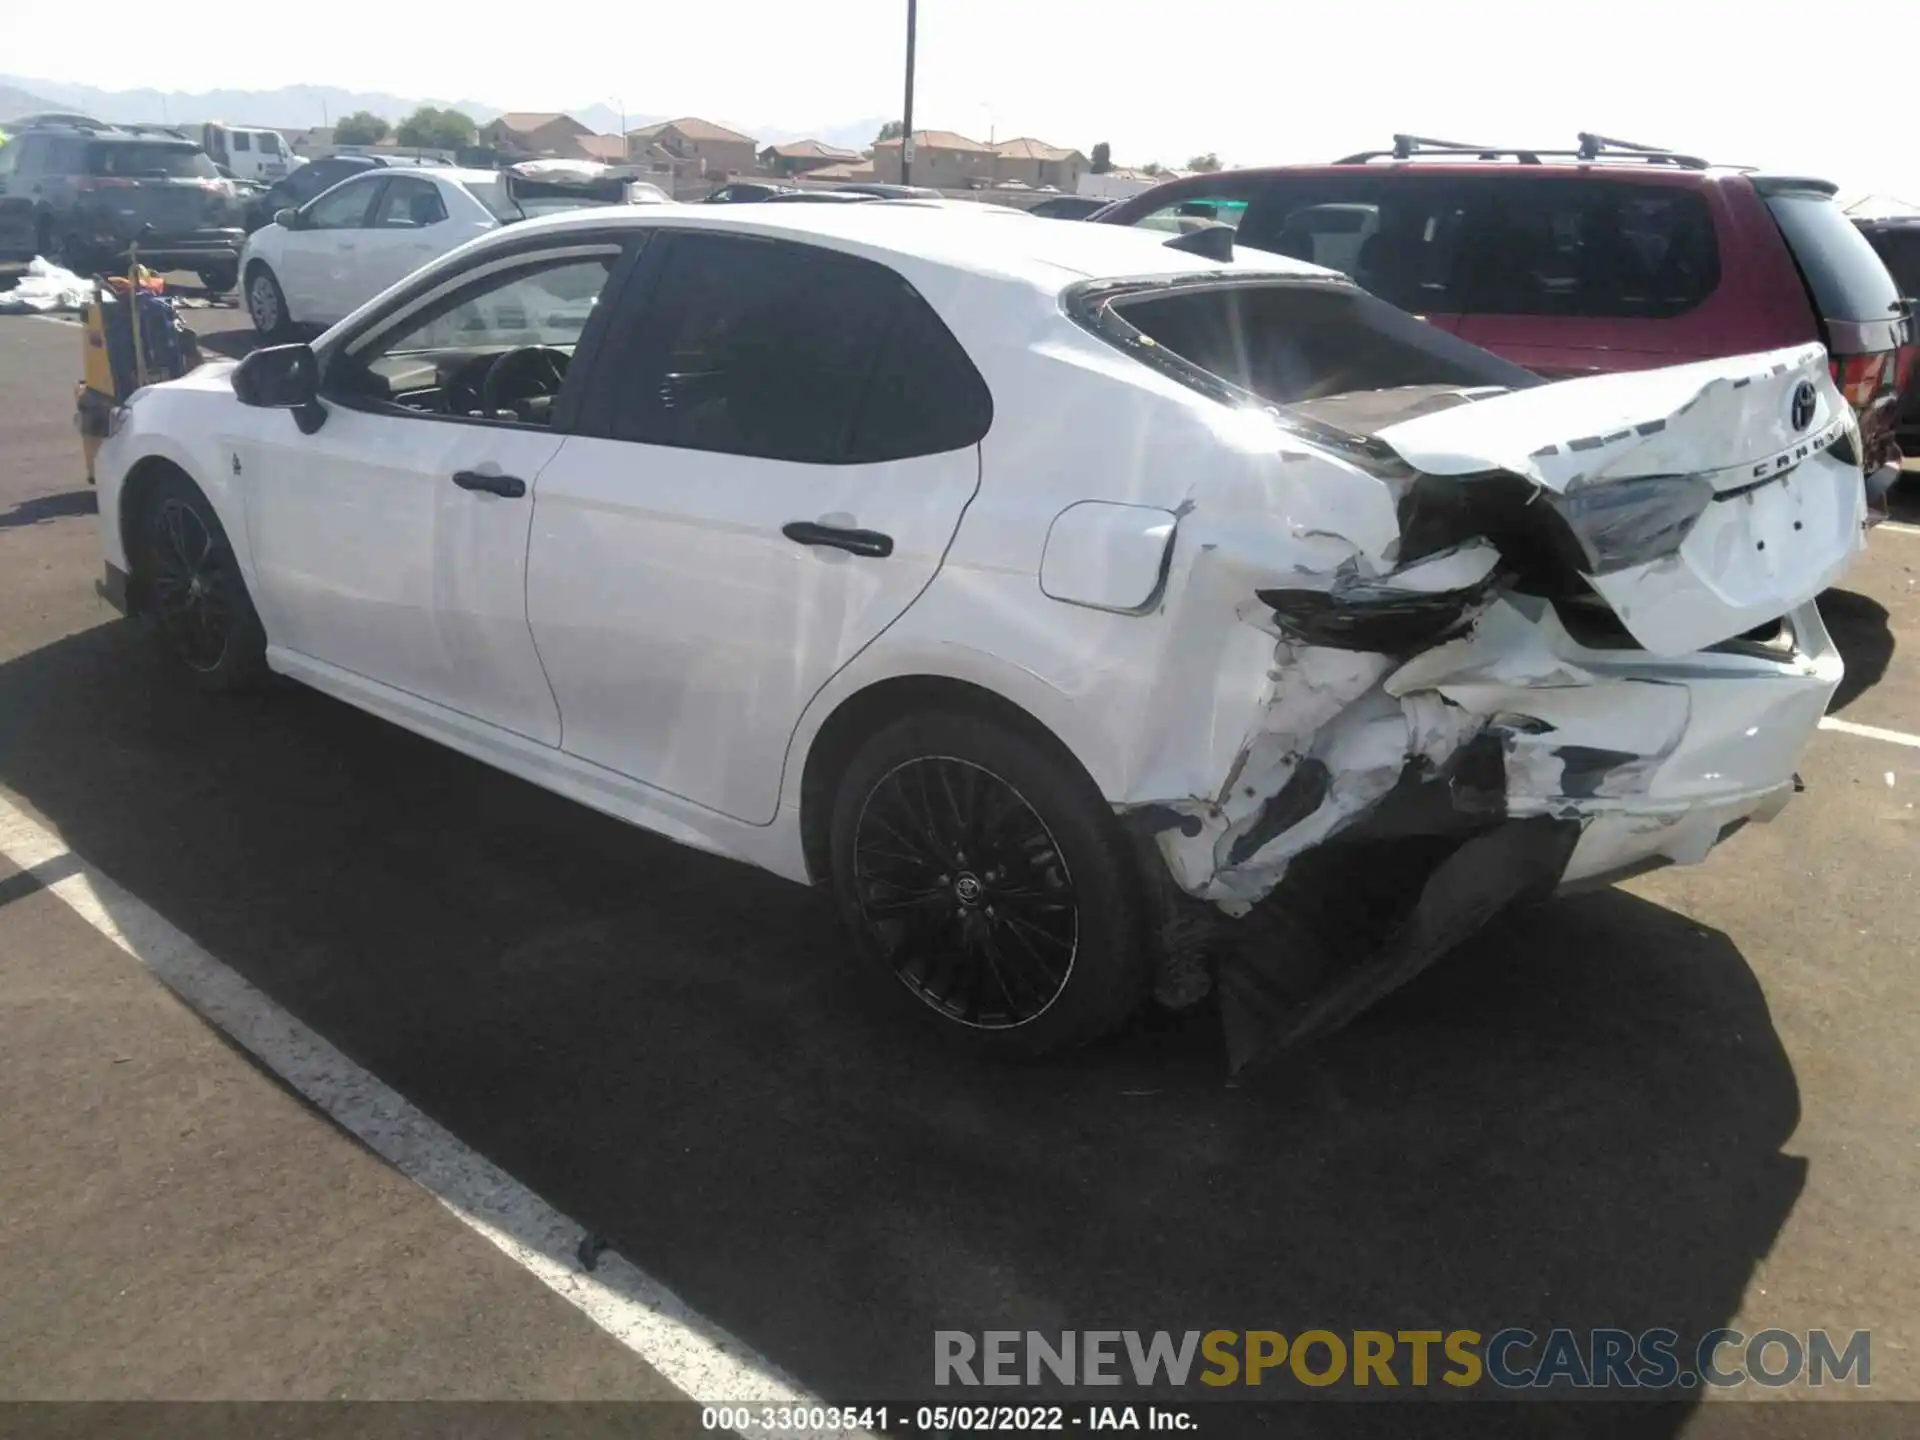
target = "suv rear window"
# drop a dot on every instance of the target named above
(1848, 280)
(1289, 342)
(142, 160)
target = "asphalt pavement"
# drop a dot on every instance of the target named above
(1689, 1102)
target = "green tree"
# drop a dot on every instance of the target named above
(431, 129)
(1102, 158)
(1153, 167)
(892, 130)
(1208, 162)
(362, 127)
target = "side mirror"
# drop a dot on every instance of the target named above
(280, 377)
(287, 219)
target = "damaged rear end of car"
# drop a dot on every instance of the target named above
(1511, 636)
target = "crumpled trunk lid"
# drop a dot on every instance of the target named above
(1773, 440)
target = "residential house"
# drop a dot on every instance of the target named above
(799, 157)
(608, 149)
(1037, 165)
(537, 132)
(841, 174)
(941, 159)
(717, 150)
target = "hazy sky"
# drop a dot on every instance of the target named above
(1786, 86)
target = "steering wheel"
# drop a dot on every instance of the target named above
(531, 372)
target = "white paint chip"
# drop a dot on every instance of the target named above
(694, 1355)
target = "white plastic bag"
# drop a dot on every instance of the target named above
(45, 289)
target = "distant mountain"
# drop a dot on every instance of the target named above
(289, 106)
(14, 101)
(303, 105)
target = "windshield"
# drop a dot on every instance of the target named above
(137, 159)
(1290, 342)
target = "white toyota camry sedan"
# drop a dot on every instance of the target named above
(1093, 615)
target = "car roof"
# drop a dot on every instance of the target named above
(952, 238)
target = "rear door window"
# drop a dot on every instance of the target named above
(1587, 249)
(1396, 235)
(1848, 280)
(789, 352)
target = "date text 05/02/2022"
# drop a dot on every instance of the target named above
(750, 1420)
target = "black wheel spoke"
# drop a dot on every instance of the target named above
(964, 889)
(190, 585)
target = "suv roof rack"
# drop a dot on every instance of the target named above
(63, 120)
(1591, 147)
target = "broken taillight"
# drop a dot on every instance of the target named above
(1861, 377)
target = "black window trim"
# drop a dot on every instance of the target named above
(635, 303)
(632, 246)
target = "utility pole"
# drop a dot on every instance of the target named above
(906, 119)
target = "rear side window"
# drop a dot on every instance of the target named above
(1848, 280)
(1899, 251)
(1587, 249)
(494, 195)
(1289, 342)
(791, 352)
(409, 205)
(140, 161)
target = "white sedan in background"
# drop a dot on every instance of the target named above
(1091, 614)
(316, 265)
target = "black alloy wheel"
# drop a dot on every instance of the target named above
(192, 582)
(966, 892)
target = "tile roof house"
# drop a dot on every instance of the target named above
(853, 170)
(608, 149)
(1037, 164)
(799, 157)
(719, 151)
(536, 132)
(941, 159)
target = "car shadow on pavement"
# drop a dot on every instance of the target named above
(1863, 635)
(42, 508)
(232, 344)
(1575, 1122)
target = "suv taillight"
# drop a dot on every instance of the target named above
(1862, 377)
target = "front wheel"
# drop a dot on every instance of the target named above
(192, 584)
(984, 880)
(219, 279)
(266, 304)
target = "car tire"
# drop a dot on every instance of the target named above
(76, 255)
(267, 304)
(986, 883)
(190, 584)
(219, 279)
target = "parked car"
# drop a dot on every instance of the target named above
(747, 192)
(1068, 207)
(819, 197)
(1896, 239)
(1576, 262)
(83, 194)
(315, 265)
(1059, 598)
(310, 180)
(883, 191)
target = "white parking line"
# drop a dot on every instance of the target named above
(55, 319)
(697, 1357)
(1869, 732)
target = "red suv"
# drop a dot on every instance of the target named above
(1573, 262)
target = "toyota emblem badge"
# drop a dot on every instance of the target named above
(1803, 402)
